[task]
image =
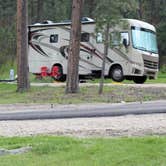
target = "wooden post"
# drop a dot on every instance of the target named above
(22, 47)
(72, 85)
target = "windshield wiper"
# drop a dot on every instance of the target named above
(142, 48)
(154, 51)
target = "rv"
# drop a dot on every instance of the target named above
(132, 53)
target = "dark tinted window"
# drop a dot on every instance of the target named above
(54, 38)
(85, 37)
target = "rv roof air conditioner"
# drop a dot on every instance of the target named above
(86, 19)
(45, 22)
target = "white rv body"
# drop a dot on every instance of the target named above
(49, 43)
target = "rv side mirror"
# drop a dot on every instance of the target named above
(125, 43)
(125, 39)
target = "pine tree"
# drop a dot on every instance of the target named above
(22, 47)
(74, 50)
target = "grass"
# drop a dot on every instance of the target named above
(111, 94)
(46, 94)
(5, 70)
(64, 151)
(160, 79)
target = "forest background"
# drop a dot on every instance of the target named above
(152, 11)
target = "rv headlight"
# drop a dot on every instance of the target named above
(136, 65)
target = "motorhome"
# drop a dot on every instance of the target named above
(133, 55)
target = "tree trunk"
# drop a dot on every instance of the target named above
(140, 10)
(22, 47)
(106, 45)
(92, 5)
(39, 10)
(72, 85)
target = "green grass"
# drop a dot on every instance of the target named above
(111, 94)
(5, 70)
(160, 79)
(63, 151)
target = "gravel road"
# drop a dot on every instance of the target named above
(129, 125)
(59, 84)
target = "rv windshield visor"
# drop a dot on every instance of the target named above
(144, 39)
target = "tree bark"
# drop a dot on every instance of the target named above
(39, 10)
(106, 45)
(92, 5)
(22, 47)
(72, 85)
(140, 10)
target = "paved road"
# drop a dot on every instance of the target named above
(84, 111)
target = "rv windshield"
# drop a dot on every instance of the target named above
(144, 39)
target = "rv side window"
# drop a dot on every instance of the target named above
(118, 38)
(54, 38)
(99, 38)
(124, 38)
(115, 38)
(85, 37)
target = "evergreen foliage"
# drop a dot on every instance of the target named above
(152, 11)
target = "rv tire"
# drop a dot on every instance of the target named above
(61, 77)
(139, 79)
(116, 73)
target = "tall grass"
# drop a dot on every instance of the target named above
(89, 94)
(163, 69)
(5, 70)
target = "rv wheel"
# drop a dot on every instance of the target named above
(57, 73)
(139, 80)
(116, 74)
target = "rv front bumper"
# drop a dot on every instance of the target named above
(151, 73)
